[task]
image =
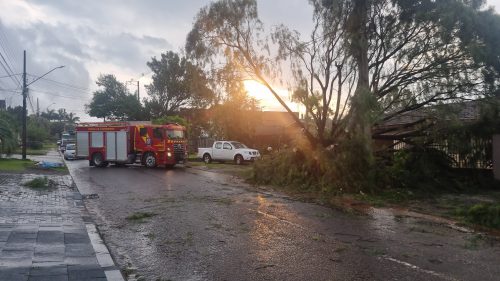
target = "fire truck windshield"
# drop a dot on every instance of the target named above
(175, 134)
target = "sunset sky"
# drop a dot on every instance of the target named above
(99, 37)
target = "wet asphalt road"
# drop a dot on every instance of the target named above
(209, 226)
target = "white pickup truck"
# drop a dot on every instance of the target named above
(228, 151)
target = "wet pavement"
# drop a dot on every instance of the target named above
(42, 233)
(202, 225)
(45, 233)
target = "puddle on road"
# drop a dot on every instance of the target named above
(386, 219)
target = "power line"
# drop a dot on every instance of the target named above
(8, 76)
(59, 95)
(10, 90)
(5, 46)
(62, 84)
(11, 71)
(8, 49)
(16, 82)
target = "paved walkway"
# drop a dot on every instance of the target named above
(44, 234)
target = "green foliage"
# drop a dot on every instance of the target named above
(113, 101)
(341, 170)
(176, 83)
(170, 119)
(38, 132)
(8, 134)
(421, 168)
(40, 183)
(486, 214)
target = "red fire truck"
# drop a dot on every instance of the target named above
(131, 142)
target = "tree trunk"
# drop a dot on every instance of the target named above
(357, 23)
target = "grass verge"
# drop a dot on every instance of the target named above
(15, 165)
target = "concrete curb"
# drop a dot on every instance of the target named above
(101, 250)
(102, 254)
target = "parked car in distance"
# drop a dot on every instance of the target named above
(70, 152)
(228, 151)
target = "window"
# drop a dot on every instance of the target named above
(238, 145)
(143, 132)
(218, 145)
(227, 146)
(157, 133)
(175, 134)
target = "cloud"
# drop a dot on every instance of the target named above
(114, 36)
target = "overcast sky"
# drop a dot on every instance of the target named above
(104, 36)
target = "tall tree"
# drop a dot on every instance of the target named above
(114, 102)
(176, 83)
(229, 32)
(321, 66)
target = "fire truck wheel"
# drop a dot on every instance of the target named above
(98, 161)
(206, 158)
(150, 160)
(238, 159)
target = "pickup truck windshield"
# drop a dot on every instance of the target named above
(238, 145)
(175, 134)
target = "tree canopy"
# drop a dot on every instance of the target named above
(113, 101)
(176, 83)
(365, 61)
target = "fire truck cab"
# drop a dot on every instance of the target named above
(131, 142)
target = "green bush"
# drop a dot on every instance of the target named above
(486, 214)
(40, 182)
(421, 168)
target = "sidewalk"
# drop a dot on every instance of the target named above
(44, 234)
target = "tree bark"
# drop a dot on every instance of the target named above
(357, 31)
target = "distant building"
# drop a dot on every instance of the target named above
(3, 105)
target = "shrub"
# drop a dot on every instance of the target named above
(486, 214)
(40, 182)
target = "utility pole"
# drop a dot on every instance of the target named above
(138, 91)
(37, 108)
(25, 93)
(24, 107)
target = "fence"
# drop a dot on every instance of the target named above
(194, 144)
(476, 154)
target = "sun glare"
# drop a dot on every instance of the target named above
(266, 99)
(257, 90)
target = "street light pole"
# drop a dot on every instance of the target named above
(25, 92)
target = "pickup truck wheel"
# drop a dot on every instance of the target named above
(238, 159)
(150, 160)
(98, 160)
(207, 158)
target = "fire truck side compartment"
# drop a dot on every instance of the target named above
(97, 139)
(111, 146)
(82, 139)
